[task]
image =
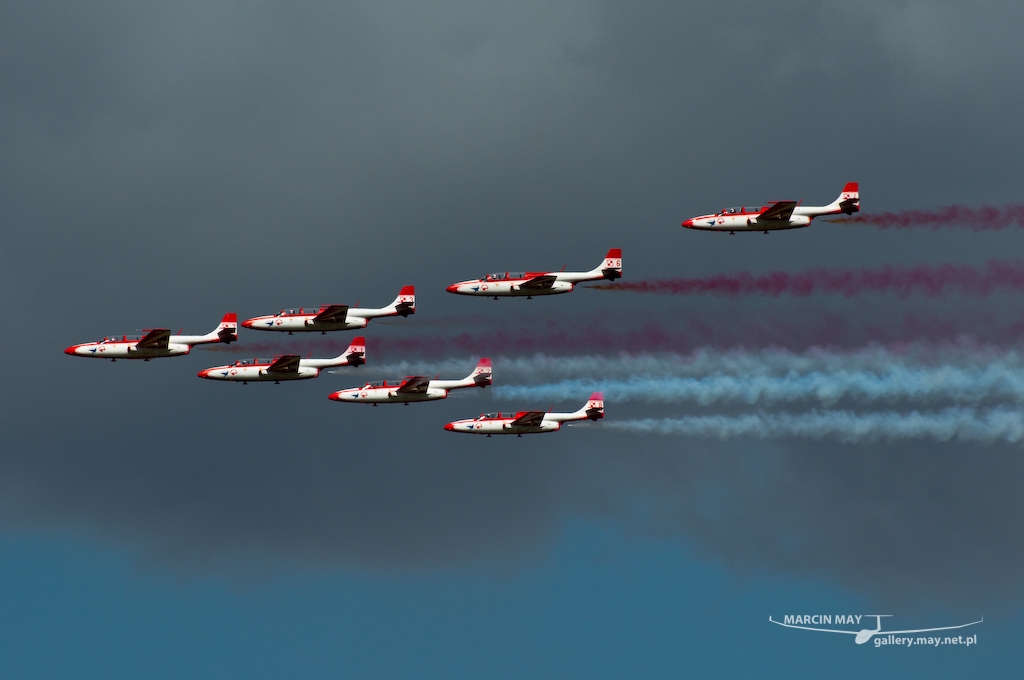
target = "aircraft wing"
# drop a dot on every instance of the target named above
(417, 384)
(529, 419)
(538, 282)
(781, 211)
(289, 363)
(332, 313)
(155, 339)
(928, 630)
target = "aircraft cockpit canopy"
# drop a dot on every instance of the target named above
(740, 210)
(504, 276)
(490, 416)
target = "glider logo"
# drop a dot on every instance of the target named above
(815, 622)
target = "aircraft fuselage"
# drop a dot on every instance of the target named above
(501, 426)
(380, 394)
(739, 219)
(258, 372)
(493, 286)
(302, 323)
(126, 349)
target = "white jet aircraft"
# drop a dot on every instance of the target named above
(332, 317)
(413, 388)
(539, 283)
(776, 214)
(528, 422)
(287, 367)
(157, 342)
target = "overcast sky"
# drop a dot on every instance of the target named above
(165, 164)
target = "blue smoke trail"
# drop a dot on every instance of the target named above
(948, 425)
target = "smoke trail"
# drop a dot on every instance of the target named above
(962, 373)
(928, 279)
(684, 332)
(877, 359)
(845, 426)
(948, 383)
(985, 218)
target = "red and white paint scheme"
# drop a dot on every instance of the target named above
(776, 214)
(286, 367)
(332, 317)
(528, 422)
(413, 388)
(156, 343)
(539, 283)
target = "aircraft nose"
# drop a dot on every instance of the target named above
(450, 426)
(205, 373)
(71, 351)
(334, 396)
(688, 223)
(454, 288)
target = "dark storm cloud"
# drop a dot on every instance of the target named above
(166, 164)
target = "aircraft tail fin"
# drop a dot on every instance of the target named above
(849, 200)
(405, 303)
(481, 375)
(227, 330)
(611, 268)
(355, 355)
(592, 410)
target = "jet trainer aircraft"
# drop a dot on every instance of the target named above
(413, 388)
(157, 342)
(287, 367)
(539, 283)
(332, 317)
(528, 422)
(776, 214)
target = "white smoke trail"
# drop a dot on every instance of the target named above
(965, 385)
(958, 373)
(542, 368)
(950, 424)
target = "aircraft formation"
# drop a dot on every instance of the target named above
(159, 342)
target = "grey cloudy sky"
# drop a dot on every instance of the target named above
(165, 164)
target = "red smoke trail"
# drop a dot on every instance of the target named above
(985, 218)
(931, 280)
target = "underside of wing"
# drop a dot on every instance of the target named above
(539, 282)
(529, 419)
(289, 363)
(417, 384)
(781, 211)
(332, 314)
(155, 339)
